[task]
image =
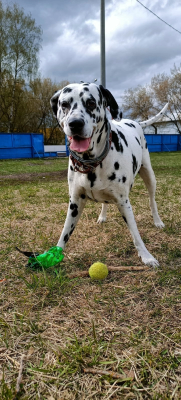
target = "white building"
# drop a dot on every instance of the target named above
(165, 126)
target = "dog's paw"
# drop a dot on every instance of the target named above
(101, 219)
(159, 224)
(149, 260)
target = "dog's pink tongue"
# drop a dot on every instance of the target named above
(80, 145)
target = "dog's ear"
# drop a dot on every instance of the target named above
(54, 102)
(111, 102)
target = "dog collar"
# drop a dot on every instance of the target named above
(86, 166)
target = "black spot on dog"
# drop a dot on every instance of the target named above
(71, 168)
(86, 108)
(67, 90)
(71, 231)
(66, 238)
(100, 96)
(130, 124)
(124, 179)
(116, 165)
(74, 106)
(115, 140)
(86, 84)
(85, 156)
(82, 196)
(112, 177)
(91, 177)
(86, 89)
(92, 148)
(123, 137)
(81, 94)
(125, 220)
(138, 141)
(74, 207)
(74, 213)
(135, 164)
(102, 127)
(146, 146)
(99, 138)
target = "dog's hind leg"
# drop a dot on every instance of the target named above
(76, 206)
(102, 216)
(148, 176)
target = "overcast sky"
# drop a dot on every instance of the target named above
(138, 45)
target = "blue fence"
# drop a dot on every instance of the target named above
(31, 145)
(21, 145)
(157, 143)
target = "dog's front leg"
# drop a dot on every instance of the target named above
(76, 206)
(102, 216)
(128, 216)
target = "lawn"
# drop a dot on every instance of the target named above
(63, 338)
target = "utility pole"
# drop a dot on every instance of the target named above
(102, 43)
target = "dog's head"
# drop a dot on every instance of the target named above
(81, 110)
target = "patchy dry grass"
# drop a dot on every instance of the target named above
(53, 329)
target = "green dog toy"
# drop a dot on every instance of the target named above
(46, 260)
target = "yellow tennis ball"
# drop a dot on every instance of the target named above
(98, 271)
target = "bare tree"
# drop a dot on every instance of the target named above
(138, 102)
(41, 117)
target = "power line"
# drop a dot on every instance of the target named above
(158, 17)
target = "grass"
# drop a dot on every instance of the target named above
(8, 167)
(128, 324)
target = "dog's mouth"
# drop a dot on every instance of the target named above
(79, 144)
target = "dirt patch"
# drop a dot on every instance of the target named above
(34, 176)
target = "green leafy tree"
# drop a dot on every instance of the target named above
(20, 40)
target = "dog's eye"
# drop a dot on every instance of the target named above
(90, 104)
(65, 104)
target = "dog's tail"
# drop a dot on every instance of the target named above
(156, 118)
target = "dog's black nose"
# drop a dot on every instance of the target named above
(76, 124)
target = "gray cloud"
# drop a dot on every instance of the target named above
(138, 45)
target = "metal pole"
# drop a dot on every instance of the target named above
(102, 38)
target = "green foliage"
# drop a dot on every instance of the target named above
(24, 97)
(19, 47)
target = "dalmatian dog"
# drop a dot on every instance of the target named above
(105, 157)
